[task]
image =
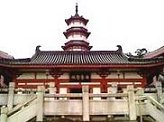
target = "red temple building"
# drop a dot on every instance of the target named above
(107, 85)
(78, 65)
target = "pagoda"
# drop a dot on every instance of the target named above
(77, 33)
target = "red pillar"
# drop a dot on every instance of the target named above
(104, 84)
(144, 81)
(56, 81)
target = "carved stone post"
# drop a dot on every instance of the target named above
(10, 101)
(40, 100)
(132, 105)
(140, 92)
(52, 89)
(158, 86)
(112, 89)
(3, 117)
(85, 103)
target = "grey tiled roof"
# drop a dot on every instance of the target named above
(80, 57)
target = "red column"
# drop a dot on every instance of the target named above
(56, 82)
(56, 74)
(144, 81)
(104, 84)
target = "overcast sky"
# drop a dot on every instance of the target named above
(134, 24)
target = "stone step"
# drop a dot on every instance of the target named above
(68, 120)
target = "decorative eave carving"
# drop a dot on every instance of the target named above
(56, 73)
(103, 73)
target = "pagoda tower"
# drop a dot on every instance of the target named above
(77, 33)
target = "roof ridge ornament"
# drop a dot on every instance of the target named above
(37, 49)
(119, 48)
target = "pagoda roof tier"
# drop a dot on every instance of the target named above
(76, 18)
(76, 29)
(92, 59)
(77, 42)
(72, 43)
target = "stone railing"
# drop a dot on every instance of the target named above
(85, 104)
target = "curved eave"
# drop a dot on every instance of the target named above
(87, 48)
(76, 43)
(72, 45)
(73, 18)
(157, 53)
(85, 33)
(72, 66)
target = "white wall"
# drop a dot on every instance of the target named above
(77, 37)
(76, 24)
(95, 76)
(115, 75)
(64, 76)
(132, 75)
(41, 76)
(27, 76)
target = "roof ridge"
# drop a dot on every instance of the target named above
(93, 51)
(78, 52)
(155, 52)
(145, 59)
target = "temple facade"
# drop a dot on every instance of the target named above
(81, 84)
(77, 65)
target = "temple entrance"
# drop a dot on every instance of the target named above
(79, 77)
(76, 90)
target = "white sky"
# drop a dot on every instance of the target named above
(134, 24)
